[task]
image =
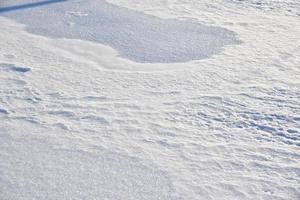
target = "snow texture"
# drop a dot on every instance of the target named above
(77, 121)
(140, 37)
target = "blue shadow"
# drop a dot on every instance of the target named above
(28, 5)
(136, 36)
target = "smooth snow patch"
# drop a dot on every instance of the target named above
(137, 36)
(35, 168)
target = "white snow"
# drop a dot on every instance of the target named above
(77, 121)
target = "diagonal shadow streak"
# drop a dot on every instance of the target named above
(28, 5)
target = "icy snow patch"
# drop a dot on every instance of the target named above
(137, 36)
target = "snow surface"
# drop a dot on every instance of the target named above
(77, 121)
(140, 37)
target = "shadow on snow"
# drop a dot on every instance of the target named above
(28, 5)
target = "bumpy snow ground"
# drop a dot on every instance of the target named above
(79, 121)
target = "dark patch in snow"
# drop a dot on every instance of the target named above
(20, 69)
(14, 68)
(3, 111)
(137, 36)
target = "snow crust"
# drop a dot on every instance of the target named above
(137, 36)
(79, 122)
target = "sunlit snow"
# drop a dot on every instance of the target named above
(149, 99)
